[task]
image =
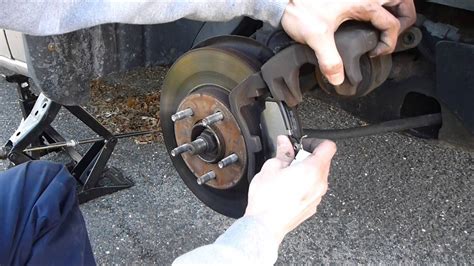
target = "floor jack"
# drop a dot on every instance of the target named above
(35, 138)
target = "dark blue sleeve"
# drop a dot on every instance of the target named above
(40, 220)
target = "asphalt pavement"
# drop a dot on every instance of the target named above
(392, 198)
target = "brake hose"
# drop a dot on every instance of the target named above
(384, 127)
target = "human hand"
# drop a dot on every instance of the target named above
(281, 196)
(314, 22)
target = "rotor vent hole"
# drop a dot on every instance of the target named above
(416, 104)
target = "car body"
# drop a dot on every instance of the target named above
(12, 51)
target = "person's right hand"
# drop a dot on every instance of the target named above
(314, 22)
(282, 196)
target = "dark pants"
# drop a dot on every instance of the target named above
(40, 220)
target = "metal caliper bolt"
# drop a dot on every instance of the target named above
(182, 114)
(206, 178)
(216, 117)
(181, 149)
(231, 159)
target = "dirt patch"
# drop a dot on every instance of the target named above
(126, 102)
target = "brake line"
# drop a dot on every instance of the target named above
(375, 129)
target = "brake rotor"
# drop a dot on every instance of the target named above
(200, 81)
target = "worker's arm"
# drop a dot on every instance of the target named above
(312, 22)
(281, 197)
(61, 16)
(246, 242)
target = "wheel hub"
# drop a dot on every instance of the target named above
(212, 135)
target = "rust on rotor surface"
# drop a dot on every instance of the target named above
(229, 137)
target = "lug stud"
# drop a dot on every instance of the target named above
(231, 159)
(206, 178)
(181, 149)
(182, 114)
(214, 118)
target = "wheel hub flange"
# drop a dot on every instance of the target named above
(218, 133)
